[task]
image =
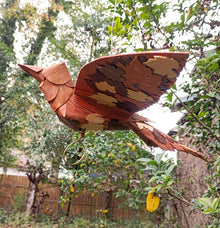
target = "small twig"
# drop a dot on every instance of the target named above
(113, 48)
(113, 20)
(195, 117)
(140, 27)
(206, 14)
(184, 213)
(179, 198)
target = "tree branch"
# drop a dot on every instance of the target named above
(179, 198)
(195, 117)
(139, 24)
(184, 213)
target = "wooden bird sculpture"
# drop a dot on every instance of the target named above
(109, 90)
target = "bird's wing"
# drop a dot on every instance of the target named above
(129, 82)
(153, 137)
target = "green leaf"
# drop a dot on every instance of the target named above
(170, 97)
(206, 202)
(174, 86)
(215, 203)
(209, 211)
(153, 163)
(144, 160)
(172, 48)
(118, 24)
(170, 182)
(170, 169)
(158, 158)
(159, 186)
(154, 178)
(135, 22)
(148, 161)
(150, 168)
(164, 177)
(202, 114)
(167, 178)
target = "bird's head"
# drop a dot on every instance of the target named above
(55, 82)
(57, 74)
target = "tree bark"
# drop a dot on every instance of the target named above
(35, 176)
(32, 191)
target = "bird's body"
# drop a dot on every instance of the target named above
(109, 90)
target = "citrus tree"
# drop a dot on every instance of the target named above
(110, 165)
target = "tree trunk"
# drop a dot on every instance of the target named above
(59, 203)
(32, 191)
(107, 203)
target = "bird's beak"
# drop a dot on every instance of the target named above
(34, 71)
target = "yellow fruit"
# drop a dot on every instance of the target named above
(105, 211)
(111, 155)
(129, 144)
(71, 188)
(117, 161)
(152, 201)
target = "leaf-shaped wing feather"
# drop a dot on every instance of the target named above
(129, 82)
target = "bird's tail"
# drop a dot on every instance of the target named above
(153, 137)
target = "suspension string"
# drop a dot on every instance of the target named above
(81, 135)
(113, 20)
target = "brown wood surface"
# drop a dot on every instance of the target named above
(110, 89)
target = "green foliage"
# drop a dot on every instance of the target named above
(110, 165)
(202, 121)
(195, 29)
(19, 201)
(210, 207)
(18, 219)
(205, 106)
(6, 55)
(162, 172)
(26, 121)
(138, 21)
(21, 220)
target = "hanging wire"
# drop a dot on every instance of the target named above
(113, 20)
(82, 134)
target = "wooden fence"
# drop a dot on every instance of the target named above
(14, 190)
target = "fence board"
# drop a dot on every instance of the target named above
(84, 204)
